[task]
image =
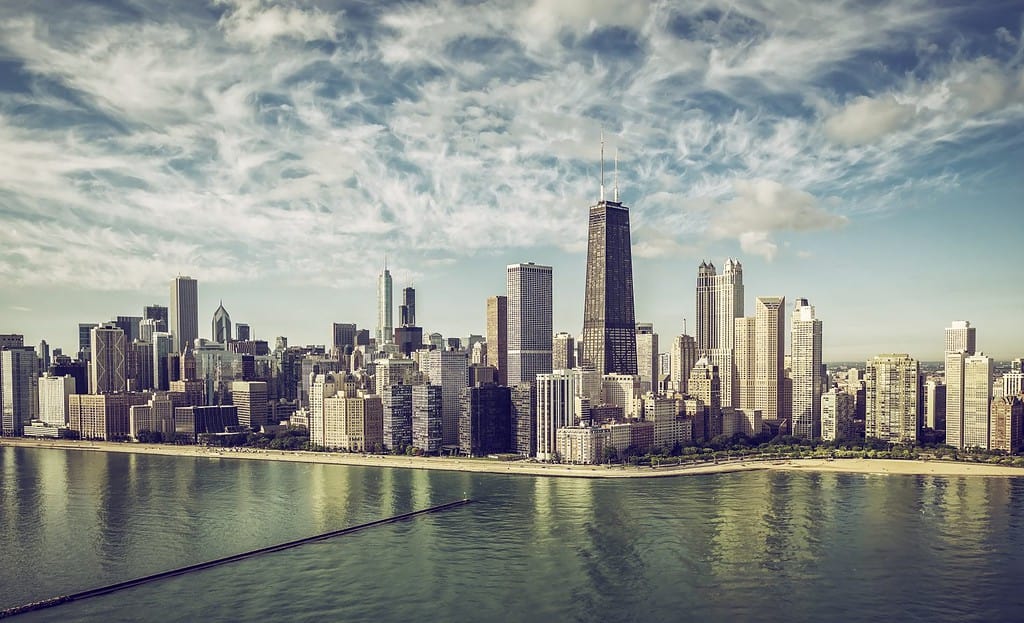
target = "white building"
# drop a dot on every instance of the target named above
(385, 310)
(978, 372)
(960, 342)
(806, 371)
(53, 398)
(581, 445)
(556, 408)
(622, 390)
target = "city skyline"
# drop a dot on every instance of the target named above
(875, 176)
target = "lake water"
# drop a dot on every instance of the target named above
(766, 546)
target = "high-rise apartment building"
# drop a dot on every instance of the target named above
(53, 398)
(806, 371)
(1013, 383)
(563, 352)
(449, 370)
(609, 322)
(485, 426)
(960, 342)
(935, 405)
(184, 312)
(647, 356)
(343, 335)
(719, 302)
(385, 317)
(837, 413)
(706, 387)
(524, 419)
(497, 336)
(556, 407)
(769, 356)
(978, 374)
(1007, 424)
(397, 403)
(891, 398)
(682, 358)
(529, 321)
(427, 416)
(19, 390)
(220, 330)
(107, 366)
(744, 363)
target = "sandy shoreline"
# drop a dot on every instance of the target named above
(857, 466)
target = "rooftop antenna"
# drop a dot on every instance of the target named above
(602, 164)
(615, 191)
(684, 325)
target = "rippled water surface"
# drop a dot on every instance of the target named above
(731, 547)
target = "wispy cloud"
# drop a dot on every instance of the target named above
(260, 140)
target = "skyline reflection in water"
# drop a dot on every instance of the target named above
(765, 545)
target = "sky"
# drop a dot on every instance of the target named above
(867, 156)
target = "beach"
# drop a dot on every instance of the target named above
(531, 468)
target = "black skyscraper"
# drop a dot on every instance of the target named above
(609, 328)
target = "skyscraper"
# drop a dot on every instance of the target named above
(385, 319)
(158, 314)
(806, 371)
(556, 407)
(184, 312)
(53, 398)
(683, 357)
(769, 355)
(609, 323)
(497, 336)
(109, 359)
(960, 342)
(221, 330)
(563, 354)
(891, 402)
(978, 373)
(19, 390)
(529, 321)
(407, 310)
(647, 356)
(448, 369)
(719, 303)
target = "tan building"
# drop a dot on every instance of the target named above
(1007, 424)
(837, 412)
(891, 401)
(251, 399)
(497, 336)
(156, 416)
(769, 355)
(102, 416)
(582, 445)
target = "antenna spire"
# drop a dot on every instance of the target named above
(615, 190)
(602, 164)
(684, 325)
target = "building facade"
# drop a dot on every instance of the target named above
(184, 312)
(529, 321)
(609, 321)
(497, 336)
(891, 408)
(806, 369)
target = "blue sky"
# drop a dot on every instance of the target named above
(864, 155)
